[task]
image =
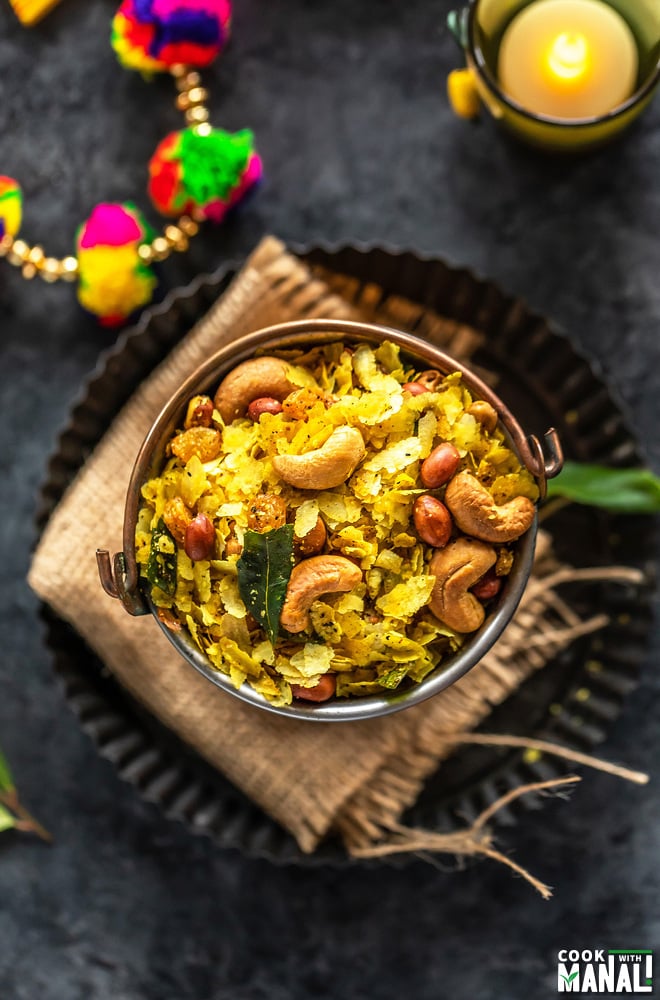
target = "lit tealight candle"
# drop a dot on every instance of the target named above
(568, 59)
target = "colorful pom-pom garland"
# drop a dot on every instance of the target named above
(195, 174)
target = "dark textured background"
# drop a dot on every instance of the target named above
(347, 102)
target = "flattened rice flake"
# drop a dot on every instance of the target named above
(306, 517)
(406, 599)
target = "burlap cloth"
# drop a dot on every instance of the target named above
(354, 778)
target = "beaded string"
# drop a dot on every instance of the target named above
(196, 174)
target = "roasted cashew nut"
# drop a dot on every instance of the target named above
(456, 568)
(309, 580)
(476, 513)
(327, 466)
(252, 379)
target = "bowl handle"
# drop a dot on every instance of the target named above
(115, 581)
(543, 465)
(457, 22)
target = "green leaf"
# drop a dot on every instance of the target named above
(568, 979)
(263, 574)
(7, 821)
(621, 491)
(393, 677)
(161, 565)
(6, 779)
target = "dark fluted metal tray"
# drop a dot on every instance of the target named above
(545, 381)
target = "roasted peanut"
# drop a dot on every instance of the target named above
(414, 388)
(309, 579)
(177, 516)
(200, 538)
(252, 379)
(204, 442)
(440, 466)
(266, 512)
(199, 413)
(325, 689)
(432, 521)
(264, 404)
(169, 620)
(311, 543)
(476, 513)
(484, 413)
(488, 586)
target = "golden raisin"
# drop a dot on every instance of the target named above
(177, 517)
(204, 442)
(266, 512)
(298, 403)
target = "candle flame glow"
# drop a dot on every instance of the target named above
(569, 55)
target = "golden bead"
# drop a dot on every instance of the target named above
(182, 102)
(198, 215)
(145, 253)
(178, 71)
(203, 129)
(197, 115)
(181, 244)
(6, 243)
(161, 248)
(69, 269)
(198, 95)
(188, 225)
(50, 270)
(18, 253)
(36, 256)
(192, 80)
(29, 271)
(173, 234)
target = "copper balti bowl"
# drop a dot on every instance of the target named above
(120, 576)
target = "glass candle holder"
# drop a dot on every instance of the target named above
(480, 28)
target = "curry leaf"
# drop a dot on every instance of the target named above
(6, 779)
(623, 491)
(161, 565)
(263, 574)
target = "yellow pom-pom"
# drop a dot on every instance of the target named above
(31, 11)
(11, 207)
(463, 94)
(110, 285)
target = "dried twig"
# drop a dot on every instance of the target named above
(545, 746)
(474, 840)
